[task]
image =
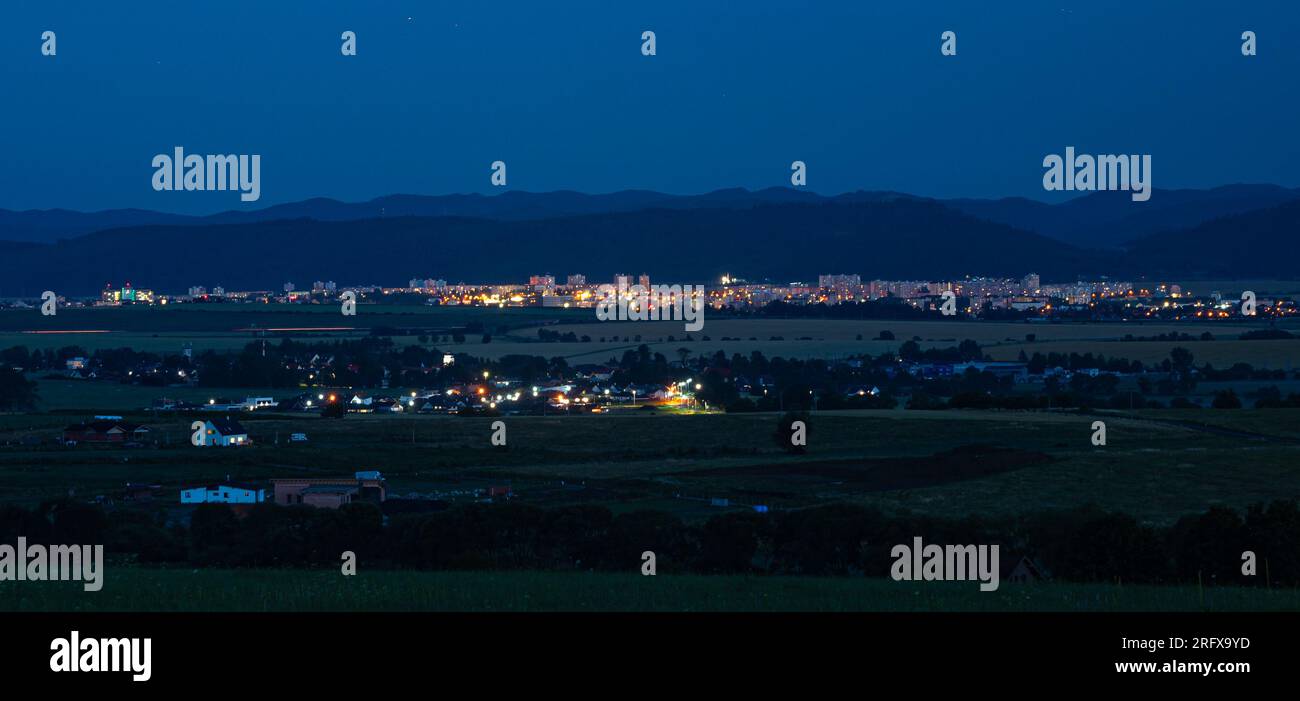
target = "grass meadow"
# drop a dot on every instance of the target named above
(514, 331)
(132, 589)
(1157, 465)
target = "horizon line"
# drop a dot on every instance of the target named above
(507, 192)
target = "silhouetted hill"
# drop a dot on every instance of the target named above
(1098, 220)
(895, 237)
(47, 226)
(1112, 219)
(1261, 243)
(12, 247)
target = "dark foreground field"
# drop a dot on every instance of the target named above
(152, 589)
(1157, 465)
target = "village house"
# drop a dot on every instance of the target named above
(437, 406)
(302, 402)
(330, 493)
(224, 433)
(1024, 569)
(104, 429)
(254, 403)
(223, 493)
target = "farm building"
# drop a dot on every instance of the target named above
(1024, 569)
(331, 493)
(254, 403)
(223, 493)
(104, 430)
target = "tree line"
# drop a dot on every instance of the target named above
(1084, 544)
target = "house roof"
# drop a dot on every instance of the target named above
(104, 426)
(227, 426)
(350, 481)
(1032, 565)
(329, 489)
(219, 485)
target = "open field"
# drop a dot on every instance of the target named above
(224, 327)
(1156, 466)
(1283, 354)
(227, 326)
(601, 353)
(226, 317)
(952, 331)
(802, 338)
(170, 343)
(1282, 423)
(222, 318)
(132, 589)
(88, 396)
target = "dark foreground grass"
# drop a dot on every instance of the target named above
(152, 589)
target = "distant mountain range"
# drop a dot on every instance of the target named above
(783, 242)
(1097, 220)
(1113, 219)
(778, 234)
(1262, 242)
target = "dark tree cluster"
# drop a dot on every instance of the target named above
(1082, 545)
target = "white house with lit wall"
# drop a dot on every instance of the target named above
(224, 493)
(224, 433)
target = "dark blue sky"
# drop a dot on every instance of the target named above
(560, 91)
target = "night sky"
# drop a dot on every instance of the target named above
(560, 92)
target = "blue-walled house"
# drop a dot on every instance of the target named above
(224, 493)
